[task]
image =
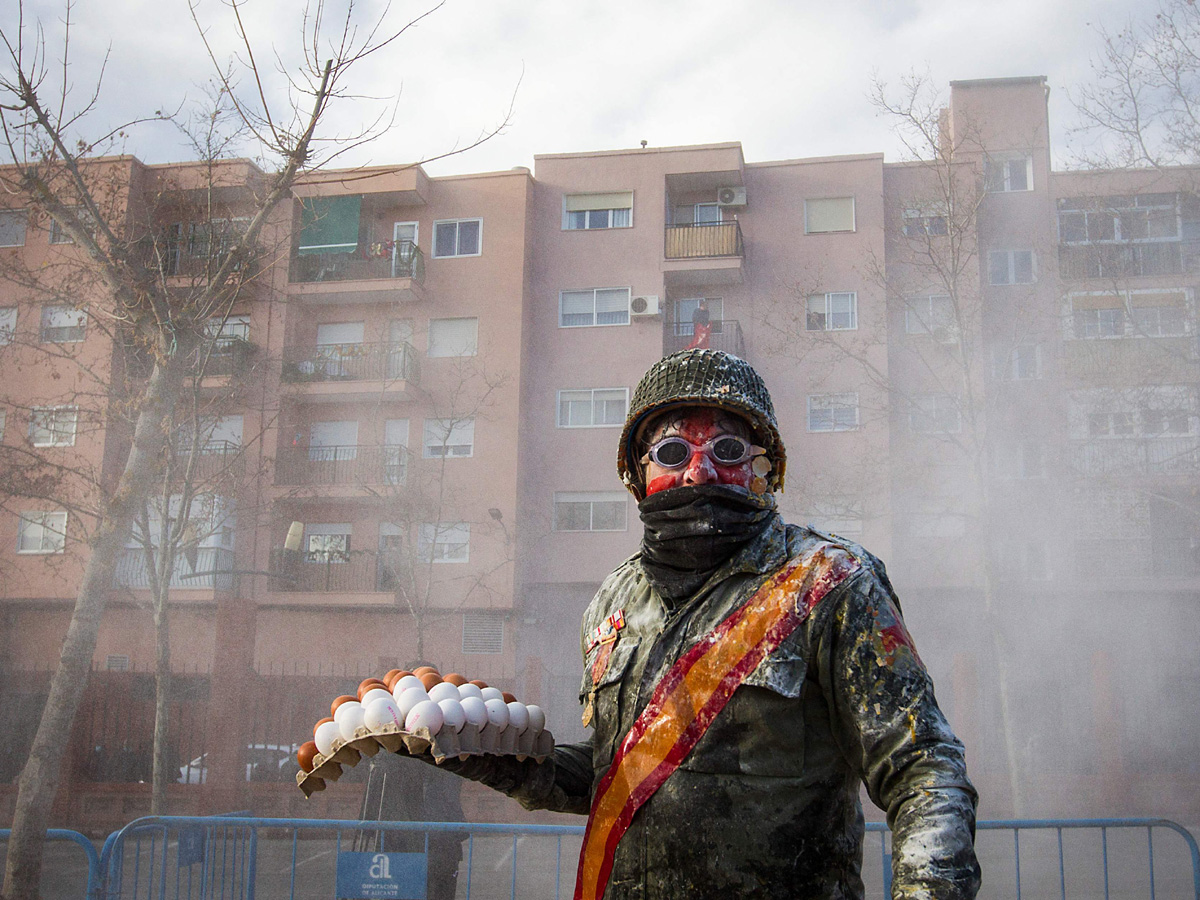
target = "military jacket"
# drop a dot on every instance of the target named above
(766, 804)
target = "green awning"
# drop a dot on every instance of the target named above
(329, 224)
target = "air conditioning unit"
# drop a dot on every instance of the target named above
(731, 196)
(644, 306)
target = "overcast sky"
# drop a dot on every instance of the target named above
(787, 79)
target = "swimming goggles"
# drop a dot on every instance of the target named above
(725, 449)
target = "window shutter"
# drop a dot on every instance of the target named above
(615, 200)
(329, 224)
(836, 214)
(483, 632)
(453, 337)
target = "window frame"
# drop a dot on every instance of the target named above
(828, 313)
(44, 330)
(808, 229)
(610, 211)
(1010, 267)
(916, 409)
(1007, 159)
(593, 498)
(558, 408)
(21, 215)
(429, 345)
(593, 323)
(8, 324)
(444, 444)
(25, 521)
(50, 423)
(1006, 362)
(457, 223)
(429, 536)
(912, 315)
(834, 427)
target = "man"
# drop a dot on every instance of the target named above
(701, 327)
(742, 678)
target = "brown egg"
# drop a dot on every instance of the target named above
(322, 722)
(390, 678)
(305, 755)
(368, 685)
(479, 683)
(508, 698)
(455, 679)
(429, 679)
(424, 670)
(345, 698)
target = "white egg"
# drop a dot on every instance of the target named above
(453, 715)
(374, 694)
(344, 710)
(537, 719)
(518, 716)
(443, 690)
(381, 711)
(469, 690)
(326, 734)
(411, 698)
(497, 711)
(425, 714)
(491, 693)
(351, 720)
(403, 684)
(476, 712)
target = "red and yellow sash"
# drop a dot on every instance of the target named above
(691, 694)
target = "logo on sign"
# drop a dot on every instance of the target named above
(380, 867)
(381, 876)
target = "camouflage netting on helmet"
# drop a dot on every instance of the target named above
(700, 378)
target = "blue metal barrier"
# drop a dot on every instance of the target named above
(246, 858)
(94, 875)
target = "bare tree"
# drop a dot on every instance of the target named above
(60, 171)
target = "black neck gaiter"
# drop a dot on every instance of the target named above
(691, 531)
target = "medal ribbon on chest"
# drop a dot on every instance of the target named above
(605, 636)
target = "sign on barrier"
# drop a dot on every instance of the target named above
(381, 876)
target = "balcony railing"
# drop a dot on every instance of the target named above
(215, 565)
(350, 464)
(1076, 261)
(214, 460)
(726, 335)
(391, 361)
(387, 259)
(229, 356)
(356, 572)
(1137, 456)
(710, 239)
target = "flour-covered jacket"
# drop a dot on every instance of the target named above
(766, 804)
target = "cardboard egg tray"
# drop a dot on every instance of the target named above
(446, 744)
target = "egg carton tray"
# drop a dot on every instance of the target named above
(446, 744)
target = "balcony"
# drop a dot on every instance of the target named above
(338, 372)
(703, 254)
(356, 572)
(726, 335)
(391, 271)
(214, 565)
(214, 461)
(1082, 261)
(347, 465)
(1137, 456)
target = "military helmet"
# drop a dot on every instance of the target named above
(710, 378)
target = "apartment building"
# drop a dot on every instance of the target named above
(984, 370)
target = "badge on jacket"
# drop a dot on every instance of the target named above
(605, 637)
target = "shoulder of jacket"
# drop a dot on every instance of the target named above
(871, 567)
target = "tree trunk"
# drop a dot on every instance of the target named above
(162, 701)
(40, 778)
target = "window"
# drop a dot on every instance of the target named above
(3, 422)
(1026, 459)
(1104, 322)
(931, 315)
(395, 451)
(934, 414)
(590, 211)
(1010, 267)
(445, 438)
(1110, 424)
(63, 324)
(594, 511)
(829, 216)
(12, 227)
(832, 312)
(453, 337)
(116, 662)
(483, 632)
(595, 306)
(333, 440)
(592, 407)
(1146, 313)
(925, 220)
(1159, 321)
(1142, 217)
(460, 237)
(8, 324)
(697, 214)
(1008, 173)
(42, 532)
(445, 542)
(58, 234)
(832, 412)
(53, 426)
(1019, 363)
(225, 331)
(327, 543)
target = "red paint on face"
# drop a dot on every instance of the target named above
(697, 428)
